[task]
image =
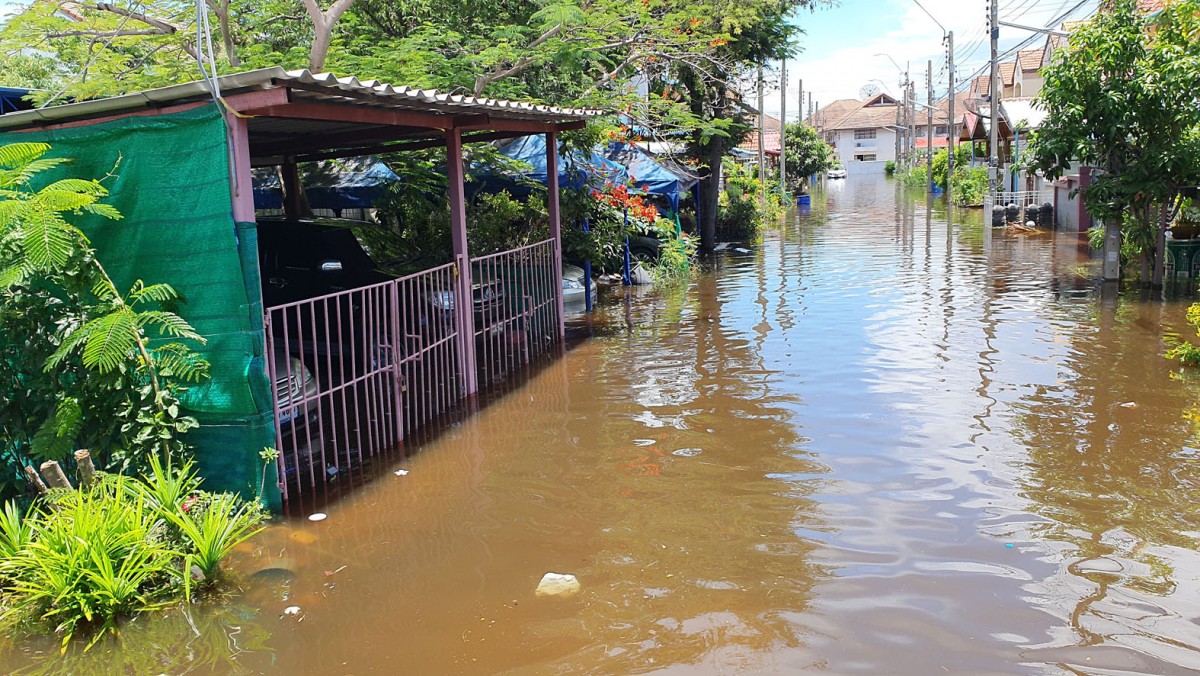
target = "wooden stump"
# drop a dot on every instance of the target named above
(87, 471)
(35, 480)
(55, 476)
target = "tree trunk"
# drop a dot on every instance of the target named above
(1160, 244)
(710, 190)
(323, 23)
(221, 9)
(1112, 250)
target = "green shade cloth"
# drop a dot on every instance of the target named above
(172, 184)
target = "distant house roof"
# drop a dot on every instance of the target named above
(830, 115)
(1030, 59)
(872, 117)
(1007, 70)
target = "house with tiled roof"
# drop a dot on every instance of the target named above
(866, 131)
(1026, 78)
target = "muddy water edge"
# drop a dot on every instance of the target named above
(879, 442)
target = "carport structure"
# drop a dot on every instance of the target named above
(393, 369)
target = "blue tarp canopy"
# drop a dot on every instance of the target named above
(12, 99)
(346, 184)
(577, 170)
(648, 175)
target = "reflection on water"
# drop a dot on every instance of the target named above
(881, 442)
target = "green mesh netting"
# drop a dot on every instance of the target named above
(172, 185)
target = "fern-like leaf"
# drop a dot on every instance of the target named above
(16, 155)
(63, 200)
(55, 439)
(79, 186)
(105, 210)
(47, 240)
(66, 348)
(179, 361)
(109, 341)
(168, 324)
(159, 293)
(14, 275)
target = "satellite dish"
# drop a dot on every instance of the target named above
(868, 91)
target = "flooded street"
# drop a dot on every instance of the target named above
(876, 443)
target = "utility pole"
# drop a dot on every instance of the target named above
(994, 103)
(912, 120)
(897, 130)
(904, 123)
(952, 124)
(783, 128)
(929, 126)
(762, 157)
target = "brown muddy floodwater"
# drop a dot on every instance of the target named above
(873, 444)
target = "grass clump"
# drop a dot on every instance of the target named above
(78, 562)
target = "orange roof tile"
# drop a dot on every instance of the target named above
(1030, 59)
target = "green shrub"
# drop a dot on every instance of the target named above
(889, 167)
(85, 559)
(969, 185)
(1183, 351)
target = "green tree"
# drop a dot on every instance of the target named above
(1122, 96)
(807, 154)
(82, 363)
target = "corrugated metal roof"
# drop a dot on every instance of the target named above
(317, 86)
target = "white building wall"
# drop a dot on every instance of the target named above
(849, 149)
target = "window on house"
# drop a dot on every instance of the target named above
(860, 134)
(940, 130)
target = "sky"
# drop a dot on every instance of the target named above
(841, 43)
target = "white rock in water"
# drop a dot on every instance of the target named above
(558, 584)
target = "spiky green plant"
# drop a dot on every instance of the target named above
(16, 532)
(93, 560)
(213, 526)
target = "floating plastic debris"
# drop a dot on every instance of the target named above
(401, 472)
(558, 584)
(318, 516)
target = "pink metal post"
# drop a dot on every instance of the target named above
(463, 304)
(241, 188)
(555, 226)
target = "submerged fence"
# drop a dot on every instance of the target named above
(355, 372)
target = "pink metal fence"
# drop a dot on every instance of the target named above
(516, 310)
(355, 371)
